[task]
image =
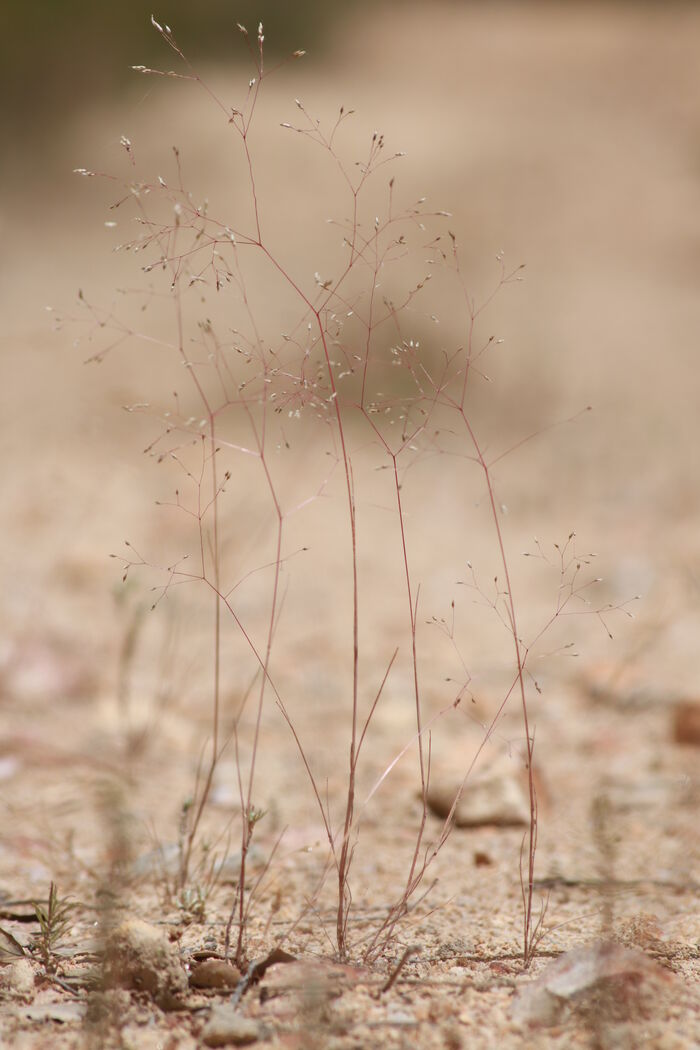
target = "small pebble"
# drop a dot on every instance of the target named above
(214, 973)
(226, 1027)
(498, 801)
(686, 723)
(140, 958)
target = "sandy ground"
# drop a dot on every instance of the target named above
(566, 137)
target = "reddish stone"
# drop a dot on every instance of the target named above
(686, 723)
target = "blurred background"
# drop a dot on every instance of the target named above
(57, 58)
(563, 134)
(566, 135)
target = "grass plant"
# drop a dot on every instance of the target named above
(353, 374)
(55, 918)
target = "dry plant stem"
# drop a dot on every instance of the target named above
(247, 801)
(528, 888)
(389, 984)
(211, 420)
(345, 853)
(413, 614)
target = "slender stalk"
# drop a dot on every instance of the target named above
(528, 889)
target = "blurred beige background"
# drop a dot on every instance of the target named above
(565, 135)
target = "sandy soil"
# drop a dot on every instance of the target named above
(568, 138)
